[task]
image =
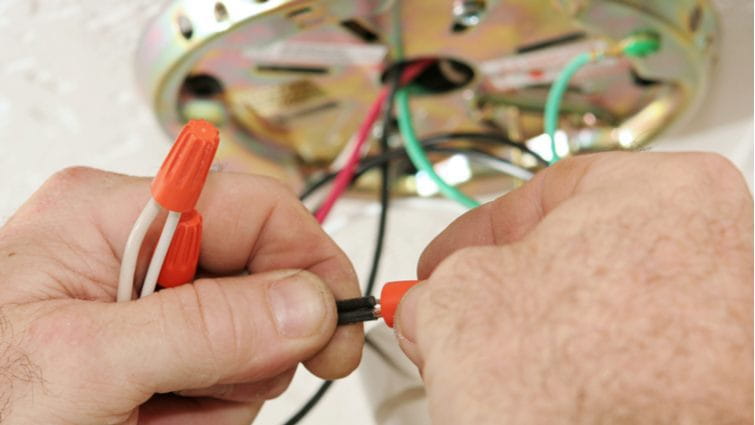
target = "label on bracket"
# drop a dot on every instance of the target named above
(538, 67)
(318, 53)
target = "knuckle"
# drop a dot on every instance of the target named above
(216, 318)
(721, 173)
(704, 183)
(67, 184)
(73, 176)
(708, 172)
(275, 186)
(711, 163)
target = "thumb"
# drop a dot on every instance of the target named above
(218, 331)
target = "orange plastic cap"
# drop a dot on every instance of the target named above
(180, 264)
(181, 177)
(391, 296)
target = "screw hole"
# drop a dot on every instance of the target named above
(458, 28)
(185, 27)
(695, 18)
(202, 86)
(221, 13)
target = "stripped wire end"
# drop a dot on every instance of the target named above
(363, 309)
(356, 310)
(641, 44)
(638, 45)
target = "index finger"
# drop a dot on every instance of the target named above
(251, 223)
(258, 224)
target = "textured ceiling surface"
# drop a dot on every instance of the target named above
(68, 97)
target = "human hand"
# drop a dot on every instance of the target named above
(70, 355)
(613, 288)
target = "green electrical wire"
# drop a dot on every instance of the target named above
(555, 95)
(638, 45)
(414, 149)
(417, 153)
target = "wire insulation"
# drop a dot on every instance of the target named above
(131, 251)
(347, 172)
(310, 404)
(366, 165)
(637, 45)
(387, 105)
(430, 144)
(556, 94)
(487, 138)
(385, 183)
(417, 154)
(161, 250)
(501, 165)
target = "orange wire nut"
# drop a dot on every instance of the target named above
(355, 310)
(181, 177)
(391, 296)
(180, 264)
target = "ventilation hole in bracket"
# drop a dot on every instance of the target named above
(221, 13)
(695, 18)
(185, 27)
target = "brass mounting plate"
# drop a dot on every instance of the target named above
(288, 81)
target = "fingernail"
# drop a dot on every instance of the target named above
(298, 305)
(406, 316)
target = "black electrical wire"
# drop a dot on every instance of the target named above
(385, 191)
(383, 160)
(367, 302)
(310, 404)
(366, 165)
(399, 153)
(492, 138)
(385, 182)
(428, 143)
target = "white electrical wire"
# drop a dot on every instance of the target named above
(506, 168)
(161, 250)
(343, 156)
(131, 252)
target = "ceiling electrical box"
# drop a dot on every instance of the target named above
(289, 81)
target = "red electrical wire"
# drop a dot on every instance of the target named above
(344, 176)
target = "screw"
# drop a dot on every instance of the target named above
(468, 12)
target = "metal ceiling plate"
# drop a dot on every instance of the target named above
(289, 81)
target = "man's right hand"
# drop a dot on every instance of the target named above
(613, 288)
